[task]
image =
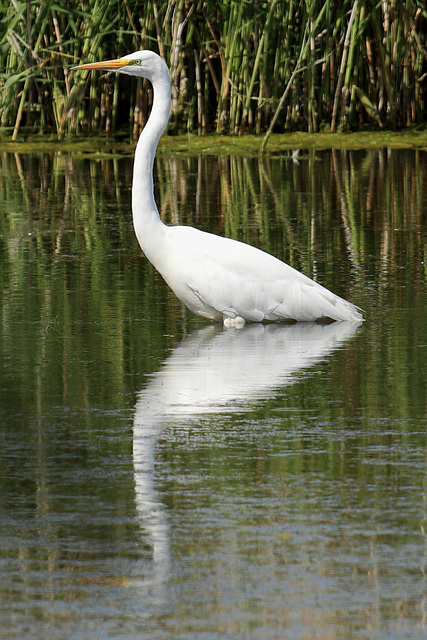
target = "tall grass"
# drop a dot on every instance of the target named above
(236, 66)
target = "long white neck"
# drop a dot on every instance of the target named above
(146, 217)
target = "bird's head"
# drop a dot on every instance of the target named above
(146, 64)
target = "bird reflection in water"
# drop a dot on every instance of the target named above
(216, 371)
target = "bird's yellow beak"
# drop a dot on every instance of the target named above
(106, 65)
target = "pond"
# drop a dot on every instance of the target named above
(161, 477)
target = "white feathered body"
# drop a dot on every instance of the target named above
(222, 279)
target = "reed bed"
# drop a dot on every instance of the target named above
(236, 66)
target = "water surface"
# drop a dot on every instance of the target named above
(161, 477)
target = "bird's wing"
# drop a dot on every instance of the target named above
(236, 279)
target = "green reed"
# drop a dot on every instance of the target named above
(236, 66)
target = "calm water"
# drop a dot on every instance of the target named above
(162, 478)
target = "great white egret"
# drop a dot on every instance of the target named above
(218, 278)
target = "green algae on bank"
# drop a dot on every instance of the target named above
(246, 145)
(251, 145)
(93, 146)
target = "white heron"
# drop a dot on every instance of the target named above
(217, 278)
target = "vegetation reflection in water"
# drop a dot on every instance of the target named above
(329, 463)
(354, 221)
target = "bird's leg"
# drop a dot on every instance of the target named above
(234, 323)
